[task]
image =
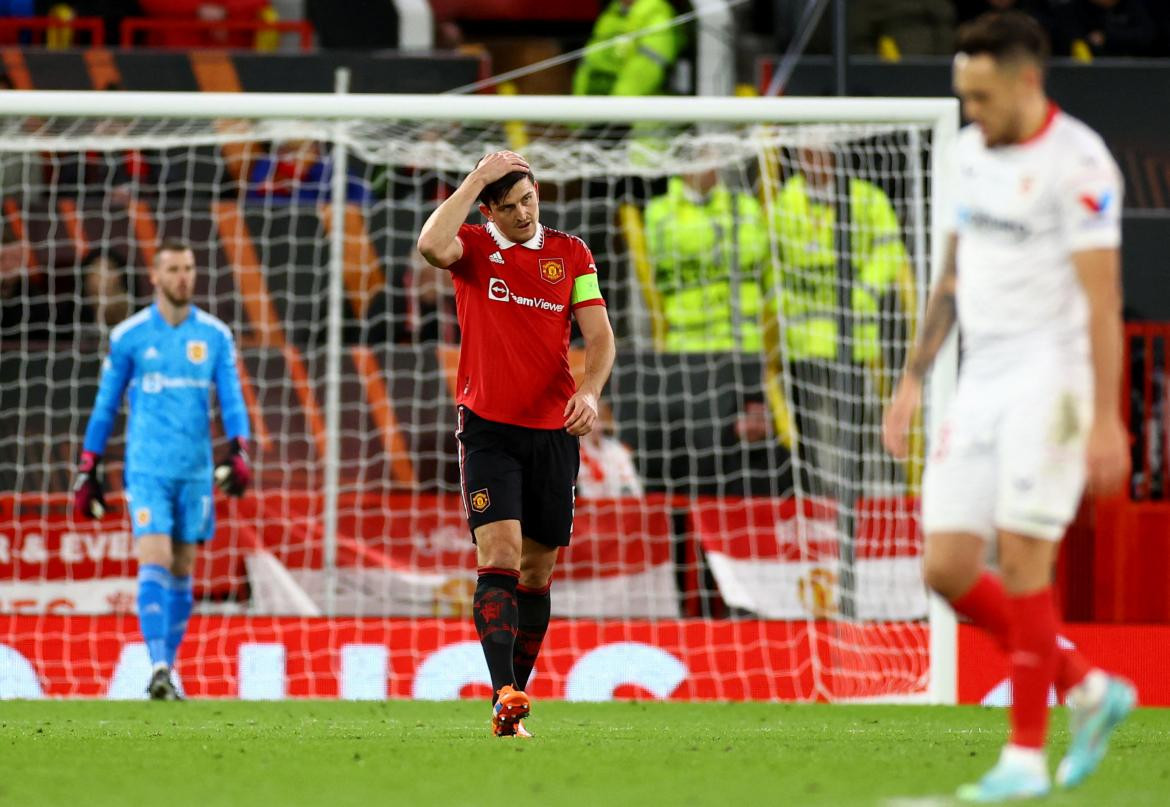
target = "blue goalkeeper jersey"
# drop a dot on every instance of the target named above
(170, 371)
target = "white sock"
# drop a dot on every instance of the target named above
(1032, 759)
(1089, 692)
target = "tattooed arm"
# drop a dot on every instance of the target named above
(941, 313)
(940, 318)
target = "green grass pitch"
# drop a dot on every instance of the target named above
(205, 753)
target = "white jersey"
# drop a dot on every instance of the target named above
(1023, 211)
(1011, 450)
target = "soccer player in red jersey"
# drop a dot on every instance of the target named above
(520, 413)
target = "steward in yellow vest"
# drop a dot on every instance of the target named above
(635, 67)
(802, 288)
(695, 234)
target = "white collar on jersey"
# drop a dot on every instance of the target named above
(535, 242)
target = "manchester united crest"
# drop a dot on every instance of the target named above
(480, 500)
(552, 270)
(817, 592)
(196, 351)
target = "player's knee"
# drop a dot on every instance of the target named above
(155, 550)
(497, 558)
(498, 545)
(1023, 576)
(1026, 562)
(183, 561)
(537, 562)
(535, 577)
(945, 577)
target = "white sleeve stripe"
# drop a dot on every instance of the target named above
(129, 324)
(215, 322)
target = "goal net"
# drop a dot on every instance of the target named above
(739, 531)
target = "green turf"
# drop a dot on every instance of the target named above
(94, 753)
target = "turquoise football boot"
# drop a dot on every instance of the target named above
(1091, 727)
(1013, 778)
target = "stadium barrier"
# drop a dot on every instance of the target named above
(52, 31)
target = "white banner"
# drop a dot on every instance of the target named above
(887, 588)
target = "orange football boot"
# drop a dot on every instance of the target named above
(511, 707)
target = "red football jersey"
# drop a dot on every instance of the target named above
(514, 302)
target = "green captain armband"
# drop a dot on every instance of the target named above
(585, 288)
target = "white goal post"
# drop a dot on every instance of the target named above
(591, 151)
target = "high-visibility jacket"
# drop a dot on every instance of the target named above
(634, 67)
(691, 246)
(802, 287)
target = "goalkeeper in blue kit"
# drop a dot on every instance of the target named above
(169, 356)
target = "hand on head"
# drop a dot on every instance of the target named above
(499, 164)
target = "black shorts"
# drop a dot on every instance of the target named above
(515, 472)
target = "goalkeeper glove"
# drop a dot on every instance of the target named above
(233, 474)
(88, 499)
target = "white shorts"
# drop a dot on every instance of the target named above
(1011, 454)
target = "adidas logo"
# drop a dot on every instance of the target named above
(496, 257)
(150, 353)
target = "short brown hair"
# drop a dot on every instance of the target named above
(494, 193)
(172, 245)
(1005, 36)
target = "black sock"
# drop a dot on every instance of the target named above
(495, 621)
(534, 605)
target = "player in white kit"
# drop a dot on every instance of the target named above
(1032, 275)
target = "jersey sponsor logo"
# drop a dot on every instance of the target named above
(498, 290)
(157, 382)
(552, 270)
(1097, 205)
(152, 383)
(539, 303)
(982, 220)
(197, 351)
(496, 257)
(151, 353)
(142, 516)
(480, 500)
